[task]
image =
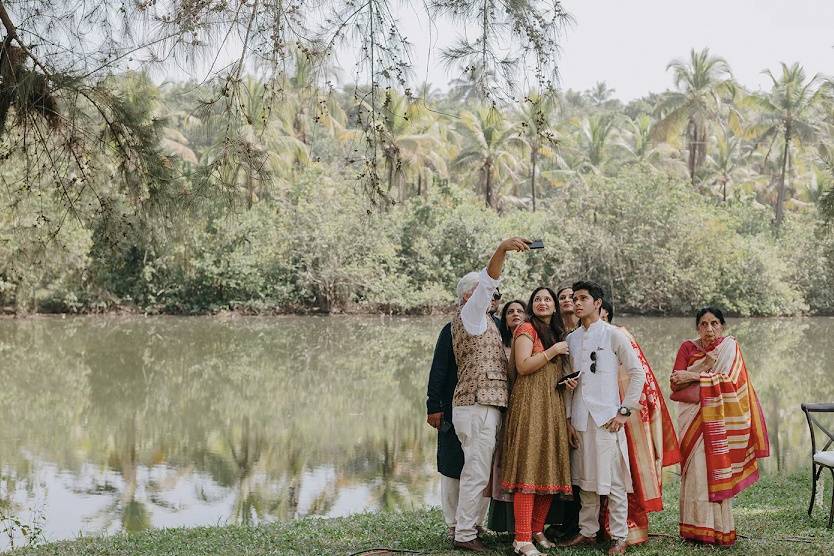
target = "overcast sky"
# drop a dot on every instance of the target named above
(628, 43)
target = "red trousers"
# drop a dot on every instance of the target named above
(530, 511)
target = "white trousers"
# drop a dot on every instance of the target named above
(600, 466)
(449, 495)
(477, 428)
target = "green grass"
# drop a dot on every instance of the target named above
(770, 517)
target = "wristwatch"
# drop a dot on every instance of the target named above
(624, 411)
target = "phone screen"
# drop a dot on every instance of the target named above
(537, 244)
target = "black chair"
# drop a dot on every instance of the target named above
(820, 459)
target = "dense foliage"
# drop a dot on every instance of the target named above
(706, 194)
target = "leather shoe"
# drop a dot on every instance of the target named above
(475, 545)
(578, 540)
(619, 547)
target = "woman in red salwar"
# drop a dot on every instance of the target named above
(721, 427)
(535, 457)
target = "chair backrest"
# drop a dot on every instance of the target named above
(809, 409)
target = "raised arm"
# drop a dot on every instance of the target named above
(496, 263)
(473, 313)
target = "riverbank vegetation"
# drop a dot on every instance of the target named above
(287, 191)
(770, 518)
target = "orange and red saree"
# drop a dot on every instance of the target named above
(722, 437)
(652, 445)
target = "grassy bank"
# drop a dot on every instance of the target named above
(770, 518)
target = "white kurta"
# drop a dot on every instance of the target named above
(602, 454)
(600, 464)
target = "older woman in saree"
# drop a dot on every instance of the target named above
(652, 445)
(722, 430)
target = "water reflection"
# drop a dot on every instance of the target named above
(113, 424)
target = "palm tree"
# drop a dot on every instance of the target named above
(788, 116)
(260, 147)
(602, 96)
(489, 143)
(727, 162)
(635, 140)
(536, 116)
(408, 139)
(592, 141)
(701, 83)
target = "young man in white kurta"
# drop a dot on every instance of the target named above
(599, 465)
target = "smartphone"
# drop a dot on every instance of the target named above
(536, 244)
(568, 377)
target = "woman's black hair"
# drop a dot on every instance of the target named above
(609, 308)
(506, 335)
(549, 334)
(704, 310)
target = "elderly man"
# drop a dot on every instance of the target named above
(600, 463)
(443, 378)
(481, 390)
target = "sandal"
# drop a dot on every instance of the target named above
(525, 549)
(543, 541)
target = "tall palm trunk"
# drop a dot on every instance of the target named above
(696, 137)
(780, 198)
(488, 183)
(533, 160)
(701, 147)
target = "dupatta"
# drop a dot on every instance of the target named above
(652, 443)
(731, 421)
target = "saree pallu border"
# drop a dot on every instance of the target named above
(651, 439)
(652, 445)
(637, 520)
(700, 520)
(707, 535)
(732, 425)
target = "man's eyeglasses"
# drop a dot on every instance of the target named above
(497, 295)
(593, 362)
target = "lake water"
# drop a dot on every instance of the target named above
(112, 424)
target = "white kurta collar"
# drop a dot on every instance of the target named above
(593, 326)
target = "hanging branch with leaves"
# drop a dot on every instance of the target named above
(514, 38)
